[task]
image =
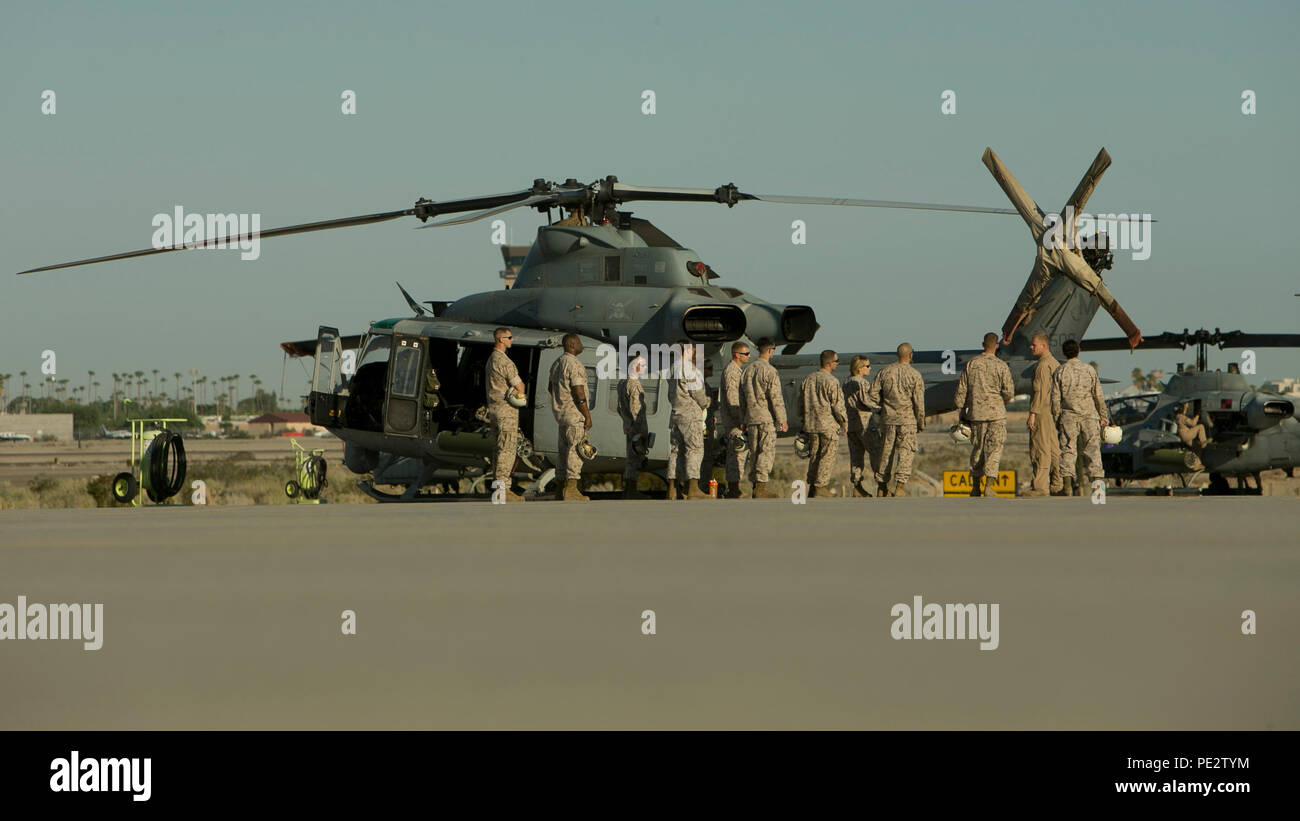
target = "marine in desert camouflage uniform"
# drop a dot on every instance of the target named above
(689, 400)
(636, 428)
(731, 418)
(899, 392)
(567, 387)
(983, 390)
(821, 407)
(1080, 413)
(502, 376)
(864, 441)
(764, 416)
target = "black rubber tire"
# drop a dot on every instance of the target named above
(166, 465)
(315, 470)
(124, 487)
(291, 489)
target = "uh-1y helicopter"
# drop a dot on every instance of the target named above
(1245, 431)
(411, 409)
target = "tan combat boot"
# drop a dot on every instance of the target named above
(672, 490)
(693, 490)
(1034, 492)
(1067, 486)
(860, 491)
(975, 486)
(511, 496)
(990, 488)
(761, 491)
(900, 489)
(882, 489)
(571, 492)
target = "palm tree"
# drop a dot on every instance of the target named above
(22, 377)
(177, 376)
(95, 385)
(139, 378)
(27, 402)
(234, 393)
(90, 377)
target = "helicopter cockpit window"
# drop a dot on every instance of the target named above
(376, 351)
(591, 387)
(1129, 409)
(613, 268)
(406, 372)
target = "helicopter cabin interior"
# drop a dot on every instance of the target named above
(415, 378)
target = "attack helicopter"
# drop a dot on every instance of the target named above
(411, 407)
(1248, 431)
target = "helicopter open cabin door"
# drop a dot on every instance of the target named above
(405, 380)
(324, 404)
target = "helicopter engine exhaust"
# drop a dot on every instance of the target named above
(1262, 412)
(783, 324)
(713, 323)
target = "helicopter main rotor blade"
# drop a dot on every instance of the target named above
(232, 241)
(1237, 339)
(729, 195)
(920, 206)
(1025, 205)
(1085, 188)
(531, 201)
(423, 209)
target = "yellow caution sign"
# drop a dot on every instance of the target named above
(957, 483)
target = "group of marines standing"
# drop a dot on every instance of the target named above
(881, 419)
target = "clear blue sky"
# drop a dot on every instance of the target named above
(235, 107)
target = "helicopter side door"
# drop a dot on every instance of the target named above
(406, 370)
(324, 404)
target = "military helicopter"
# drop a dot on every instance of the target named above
(1248, 431)
(411, 410)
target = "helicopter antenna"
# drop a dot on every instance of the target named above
(415, 306)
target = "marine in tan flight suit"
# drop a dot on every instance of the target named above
(731, 418)
(502, 376)
(899, 392)
(821, 407)
(1080, 413)
(983, 391)
(1044, 446)
(689, 400)
(764, 416)
(864, 442)
(568, 389)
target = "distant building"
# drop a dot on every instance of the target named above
(514, 259)
(37, 425)
(1285, 387)
(280, 422)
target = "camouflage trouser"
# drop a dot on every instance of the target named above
(762, 450)
(735, 461)
(505, 427)
(1086, 429)
(1045, 454)
(685, 446)
(899, 441)
(822, 449)
(986, 441)
(858, 465)
(874, 439)
(632, 467)
(568, 464)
